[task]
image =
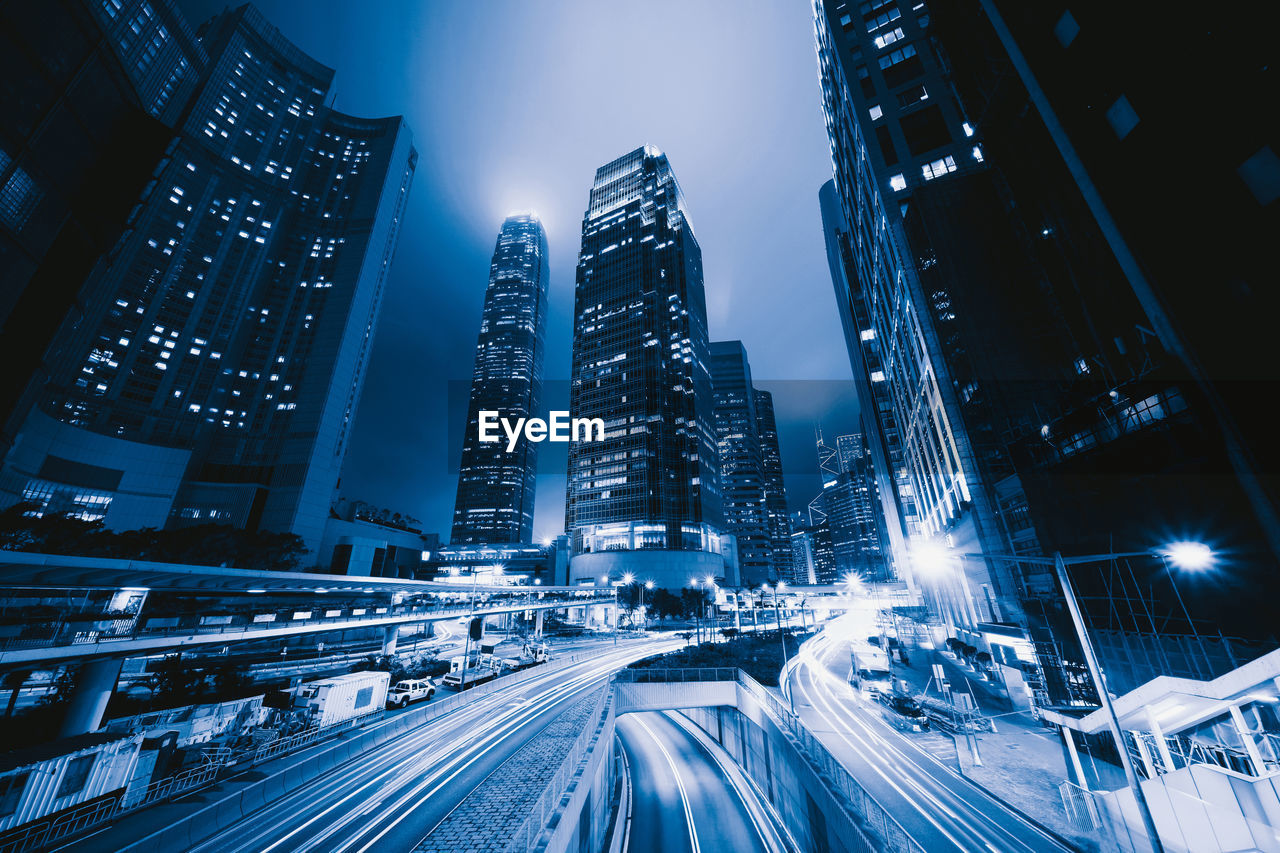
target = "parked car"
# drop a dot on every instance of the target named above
(410, 690)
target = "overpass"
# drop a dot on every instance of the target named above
(55, 609)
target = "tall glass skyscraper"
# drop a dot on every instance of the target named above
(775, 489)
(640, 363)
(496, 488)
(742, 482)
(213, 368)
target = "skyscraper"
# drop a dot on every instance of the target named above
(496, 488)
(775, 489)
(741, 454)
(1035, 292)
(853, 512)
(214, 367)
(94, 89)
(647, 496)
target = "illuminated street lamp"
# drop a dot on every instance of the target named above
(1190, 557)
(1191, 554)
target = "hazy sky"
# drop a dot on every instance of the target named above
(513, 106)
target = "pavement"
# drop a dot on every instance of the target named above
(1021, 761)
(486, 820)
(685, 798)
(938, 807)
(393, 798)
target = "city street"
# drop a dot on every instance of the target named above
(392, 800)
(685, 797)
(938, 807)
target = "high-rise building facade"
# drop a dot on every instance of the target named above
(895, 136)
(649, 492)
(853, 512)
(741, 455)
(496, 488)
(775, 488)
(213, 368)
(1100, 399)
(92, 92)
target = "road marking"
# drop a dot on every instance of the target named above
(684, 795)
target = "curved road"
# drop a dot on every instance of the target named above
(939, 808)
(687, 797)
(392, 799)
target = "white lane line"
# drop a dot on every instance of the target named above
(766, 820)
(684, 795)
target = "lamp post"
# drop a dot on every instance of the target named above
(708, 602)
(1191, 557)
(697, 611)
(1199, 555)
(781, 636)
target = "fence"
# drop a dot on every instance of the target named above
(1081, 807)
(527, 836)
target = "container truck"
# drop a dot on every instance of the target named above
(335, 700)
(870, 673)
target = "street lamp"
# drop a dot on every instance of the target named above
(1060, 564)
(1190, 557)
(781, 636)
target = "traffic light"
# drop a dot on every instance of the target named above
(477, 628)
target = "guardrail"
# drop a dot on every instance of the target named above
(535, 824)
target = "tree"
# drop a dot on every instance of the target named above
(664, 604)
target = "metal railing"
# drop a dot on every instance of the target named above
(660, 675)
(1081, 807)
(529, 836)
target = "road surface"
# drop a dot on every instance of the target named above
(686, 794)
(939, 808)
(392, 799)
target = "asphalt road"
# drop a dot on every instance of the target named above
(687, 797)
(393, 799)
(939, 808)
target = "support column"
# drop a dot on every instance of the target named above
(390, 636)
(537, 623)
(1250, 745)
(93, 690)
(1075, 756)
(1162, 746)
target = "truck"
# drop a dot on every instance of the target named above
(336, 700)
(531, 655)
(870, 671)
(474, 668)
(402, 693)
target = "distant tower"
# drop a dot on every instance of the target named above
(775, 490)
(496, 488)
(742, 479)
(645, 499)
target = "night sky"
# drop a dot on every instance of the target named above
(513, 106)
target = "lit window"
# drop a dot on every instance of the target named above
(898, 183)
(868, 334)
(977, 153)
(938, 168)
(968, 129)
(876, 112)
(877, 376)
(883, 41)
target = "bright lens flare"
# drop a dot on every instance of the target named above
(1192, 556)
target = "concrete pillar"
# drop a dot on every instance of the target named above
(1162, 746)
(1250, 745)
(390, 634)
(94, 685)
(1145, 754)
(537, 623)
(1075, 757)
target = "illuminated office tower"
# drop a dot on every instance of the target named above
(645, 499)
(775, 489)
(741, 453)
(496, 488)
(212, 370)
